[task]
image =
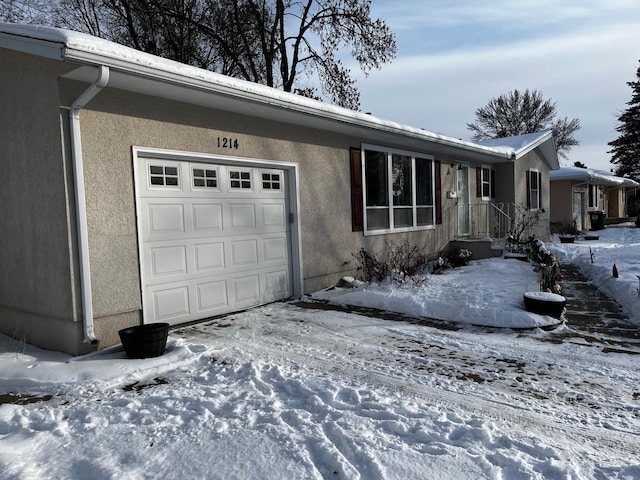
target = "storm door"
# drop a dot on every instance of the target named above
(462, 188)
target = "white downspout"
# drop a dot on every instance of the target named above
(81, 204)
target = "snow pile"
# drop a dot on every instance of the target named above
(617, 245)
(485, 292)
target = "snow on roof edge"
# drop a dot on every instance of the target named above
(84, 47)
(591, 175)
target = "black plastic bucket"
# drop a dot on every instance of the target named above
(552, 306)
(145, 341)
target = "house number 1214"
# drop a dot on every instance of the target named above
(228, 142)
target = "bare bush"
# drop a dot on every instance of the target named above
(396, 261)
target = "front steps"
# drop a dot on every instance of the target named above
(479, 247)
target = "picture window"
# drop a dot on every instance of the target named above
(399, 191)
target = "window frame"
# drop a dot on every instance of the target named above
(167, 178)
(593, 195)
(483, 169)
(534, 205)
(390, 153)
(211, 183)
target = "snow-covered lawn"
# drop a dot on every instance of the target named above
(285, 392)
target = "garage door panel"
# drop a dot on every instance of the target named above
(170, 260)
(275, 249)
(273, 215)
(214, 243)
(244, 253)
(207, 218)
(276, 284)
(209, 256)
(171, 303)
(242, 217)
(212, 295)
(246, 289)
(165, 218)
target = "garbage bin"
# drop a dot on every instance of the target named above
(597, 220)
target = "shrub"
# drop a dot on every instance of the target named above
(452, 259)
(564, 228)
(397, 261)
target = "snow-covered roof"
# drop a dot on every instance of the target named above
(592, 176)
(523, 144)
(148, 74)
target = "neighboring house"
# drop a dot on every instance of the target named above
(584, 197)
(139, 189)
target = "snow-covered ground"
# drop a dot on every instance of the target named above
(287, 391)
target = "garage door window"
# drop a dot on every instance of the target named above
(205, 178)
(164, 175)
(271, 181)
(240, 180)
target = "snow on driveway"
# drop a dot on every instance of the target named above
(283, 391)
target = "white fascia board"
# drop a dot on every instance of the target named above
(547, 148)
(32, 46)
(84, 49)
(286, 104)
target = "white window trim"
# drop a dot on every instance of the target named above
(390, 152)
(534, 207)
(482, 182)
(595, 189)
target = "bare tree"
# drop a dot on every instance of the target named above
(517, 113)
(295, 45)
(25, 11)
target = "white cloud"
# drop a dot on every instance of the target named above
(583, 67)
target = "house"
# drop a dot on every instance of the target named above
(586, 197)
(143, 190)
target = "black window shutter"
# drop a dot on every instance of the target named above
(493, 183)
(539, 190)
(478, 181)
(438, 192)
(357, 213)
(528, 191)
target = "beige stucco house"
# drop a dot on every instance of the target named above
(141, 190)
(587, 198)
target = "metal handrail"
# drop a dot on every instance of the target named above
(493, 220)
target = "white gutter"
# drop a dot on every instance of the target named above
(88, 50)
(81, 204)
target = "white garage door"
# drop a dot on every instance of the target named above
(214, 238)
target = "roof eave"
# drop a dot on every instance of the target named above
(288, 104)
(53, 43)
(547, 149)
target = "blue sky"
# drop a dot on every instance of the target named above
(455, 55)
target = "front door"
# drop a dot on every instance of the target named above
(462, 186)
